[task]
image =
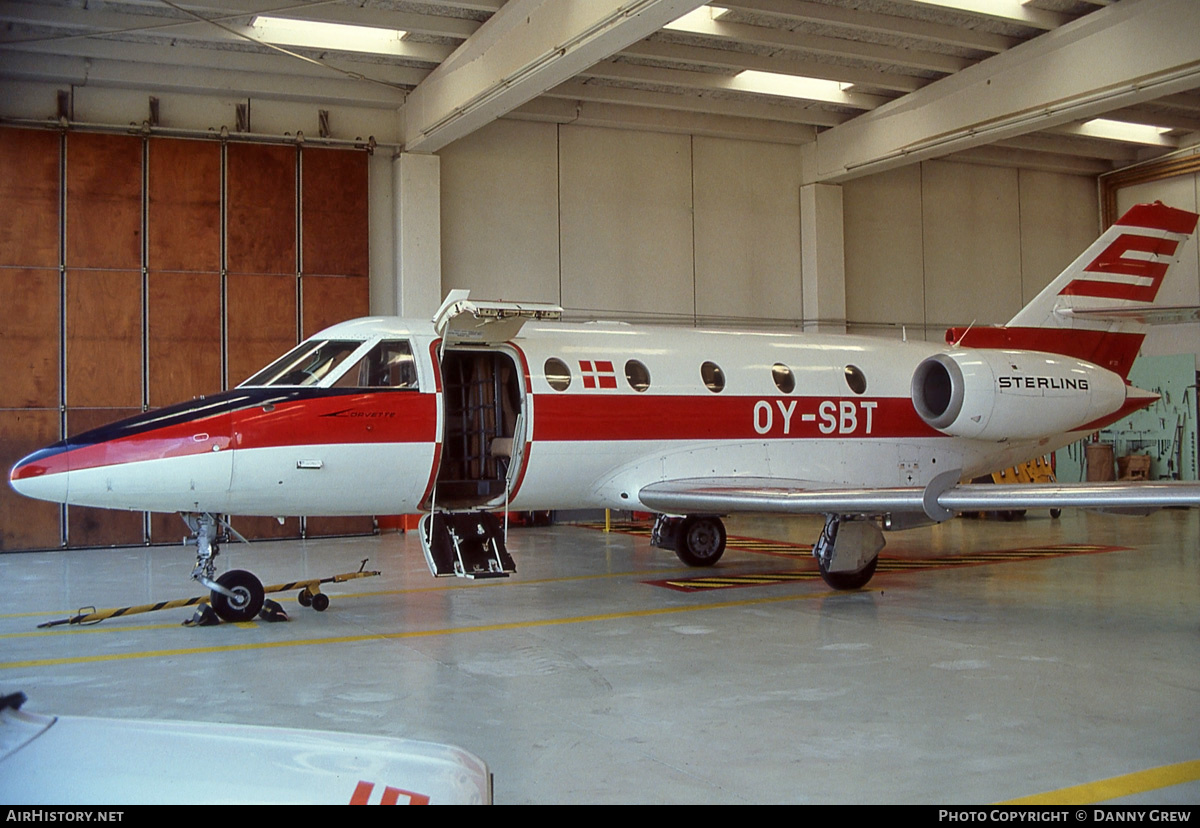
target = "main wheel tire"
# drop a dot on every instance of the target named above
(700, 541)
(850, 580)
(247, 597)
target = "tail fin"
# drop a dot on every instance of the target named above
(1092, 310)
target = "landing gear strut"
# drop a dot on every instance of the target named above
(237, 595)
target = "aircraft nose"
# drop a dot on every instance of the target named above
(40, 476)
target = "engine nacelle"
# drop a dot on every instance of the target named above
(995, 395)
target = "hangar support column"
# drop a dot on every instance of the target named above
(417, 217)
(822, 258)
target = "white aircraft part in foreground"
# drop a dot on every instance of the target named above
(495, 406)
(74, 760)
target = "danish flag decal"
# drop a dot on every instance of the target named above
(1139, 249)
(597, 373)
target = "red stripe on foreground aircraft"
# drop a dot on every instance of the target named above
(496, 405)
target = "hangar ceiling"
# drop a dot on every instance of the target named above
(869, 84)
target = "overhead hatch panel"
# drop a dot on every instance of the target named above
(464, 321)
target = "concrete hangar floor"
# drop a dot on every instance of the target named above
(986, 662)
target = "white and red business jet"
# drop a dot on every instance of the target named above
(491, 407)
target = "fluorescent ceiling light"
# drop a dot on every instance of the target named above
(791, 86)
(698, 21)
(1125, 131)
(1012, 9)
(288, 32)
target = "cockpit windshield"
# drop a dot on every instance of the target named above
(306, 364)
(387, 365)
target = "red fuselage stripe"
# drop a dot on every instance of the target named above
(597, 416)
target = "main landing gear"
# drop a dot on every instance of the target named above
(237, 595)
(698, 540)
(847, 551)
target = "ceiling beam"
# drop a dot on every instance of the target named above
(995, 156)
(1122, 55)
(150, 77)
(240, 67)
(525, 48)
(575, 90)
(867, 21)
(561, 111)
(703, 25)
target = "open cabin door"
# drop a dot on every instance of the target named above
(484, 429)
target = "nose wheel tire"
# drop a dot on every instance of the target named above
(247, 598)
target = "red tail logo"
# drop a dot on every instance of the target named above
(1143, 275)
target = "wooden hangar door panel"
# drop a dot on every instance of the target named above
(333, 211)
(29, 177)
(150, 249)
(30, 331)
(260, 219)
(183, 261)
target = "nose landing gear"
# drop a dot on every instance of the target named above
(237, 595)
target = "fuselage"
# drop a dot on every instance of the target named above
(381, 416)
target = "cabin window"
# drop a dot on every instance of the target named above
(713, 376)
(785, 381)
(306, 364)
(558, 374)
(637, 375)
(856, 379)
(387, 365)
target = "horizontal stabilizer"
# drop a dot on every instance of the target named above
(1145, 316)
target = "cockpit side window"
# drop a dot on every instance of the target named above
(389, 364)
(306, 364)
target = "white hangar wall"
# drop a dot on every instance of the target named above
(639, 224)
(946, 243)
(618, 222)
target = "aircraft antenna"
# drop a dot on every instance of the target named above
(958, 341)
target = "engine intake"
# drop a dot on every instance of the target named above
(995, 395)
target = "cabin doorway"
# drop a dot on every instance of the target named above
(483, 433)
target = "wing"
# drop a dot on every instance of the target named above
(1157, 315)
(939, 500)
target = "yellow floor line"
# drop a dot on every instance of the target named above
(351, 639)
(1116, 787)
